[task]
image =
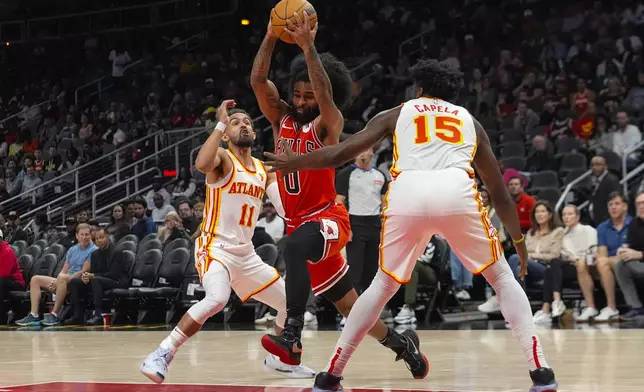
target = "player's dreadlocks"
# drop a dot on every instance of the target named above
(339, 75)
(437, 79)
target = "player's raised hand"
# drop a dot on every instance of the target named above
(269, 30)
(301, 31)
(283, 162)
(222, 111)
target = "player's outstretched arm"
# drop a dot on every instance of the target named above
(383, 124)
(265, 91)
(208, 158)
(486, 166)
(331, 118)
(273, 193)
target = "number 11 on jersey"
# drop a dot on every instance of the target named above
(247, 215)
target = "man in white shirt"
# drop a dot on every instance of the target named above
(580, 246)
(271, 222)
(160, 209)
(626, 136)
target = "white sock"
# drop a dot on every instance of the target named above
(364, 314)
(36, 315)
(54, 314)
(174, 340)
(516, 310)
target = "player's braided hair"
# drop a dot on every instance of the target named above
(339, 75)
(437, 79)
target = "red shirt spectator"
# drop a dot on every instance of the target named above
(9, 267)
(515, 183)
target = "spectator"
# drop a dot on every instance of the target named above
(186, 185)
(190, 223)
(157, 187)
(562, 125)
(120, 58)
(160, 210)
(525, 118)
(540, 158)
(172, 229)
(143, 225)
(119, 226)
(30, 182)
(70, 129)
(86, 128)
(11, 278)
(581, 99)
(272, 223)
(635, 97)
(630, 265)
(14, 184)
(544, 241)
(525, 203)
(82, 216)
(53, 161)
(461, 277)
(14, 231)
(26, 163)
(199, 206)
(423, 274)
(69, 239)
(626, 135)
(107, 271)
(260, 237)
(603, 183)
(611, 235)
(77, 261)
(114, 135)
(4, 195)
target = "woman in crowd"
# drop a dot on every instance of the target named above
(172, 229)
(119, 226)
(186, 185)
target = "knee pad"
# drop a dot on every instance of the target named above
(206, 308)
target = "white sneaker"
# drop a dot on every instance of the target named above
(586, 315)
(273, 364)
(541, 317)
(490, 306)
(310, 318)
(386, 316)
(268, 318)
(558, 308)
(155, 366)
(607, 314)
(405, 316)
(463, 295)
(343, 321)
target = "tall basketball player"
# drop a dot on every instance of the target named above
(317, 227)
(224, 253)
(437, 145)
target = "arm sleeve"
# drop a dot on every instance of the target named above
(273, 193)
(342, 181)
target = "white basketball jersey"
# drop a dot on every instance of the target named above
(233, 204)
(432, 134)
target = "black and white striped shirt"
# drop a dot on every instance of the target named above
(362, 189)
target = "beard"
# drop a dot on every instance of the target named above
(243, 141)
(308, 115)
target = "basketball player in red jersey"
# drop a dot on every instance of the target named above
(317, 228)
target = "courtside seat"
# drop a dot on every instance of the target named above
(21, 245)
(44, 266)
(129, 238)
(144, 273)
(125, 245)
(26, 262)
(42, 243)
(179, 243)
(34, 250)
(171, 274)
(268, 253)
(149, 237)
(146, 245)
(58, 250)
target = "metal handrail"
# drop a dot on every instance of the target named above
(625, 155)
(43, 103)
(420, 35)
(568, 188)
(121, 200)
(174, 146)
(77, 170)
(134, 178)
(632, 174)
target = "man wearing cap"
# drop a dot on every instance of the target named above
(10, 275)
(271, 222)
(14, 232)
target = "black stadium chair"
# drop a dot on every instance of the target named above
(549, 194)
(58, 250)
(26, 262)
(512, 149)
(127, 245)
(168, 284)
(129, 238)
(145, 246)
(567, 145)
(34, 250)
(544, 179)
(44, 266)
(15, 250)
(613, 162)
(268, 253)
(144, 273)
(178, 243)
(149, 237)
(21, 245)
(42, 243)
(517, 163)
(572, 161)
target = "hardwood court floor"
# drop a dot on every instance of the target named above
(589, 360)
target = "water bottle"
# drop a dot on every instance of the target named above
(590, 256)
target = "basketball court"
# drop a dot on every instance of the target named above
(590, 359)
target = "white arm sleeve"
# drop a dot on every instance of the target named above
(273, 193)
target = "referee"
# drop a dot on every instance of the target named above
(362, 188)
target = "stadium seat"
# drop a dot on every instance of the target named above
(34, 250)
(544, 179)
(517, 163)
(21, 245)
(268, 253)
(176, 244)
(549, 194)
(125, 245)
(511, 135)
(144, 273)
(512, 149)
(16, 250)
(58, 250)
(129, 238)
(26, 262)
(536, 131)
(146, 245)
(149, 237)
(567, 145)
(42, 243)
(44, 266)
(59, 267)
(613, 162)
(571, 162)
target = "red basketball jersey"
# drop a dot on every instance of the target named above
(304, 192)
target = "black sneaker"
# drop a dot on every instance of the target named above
(543, 380)
(327, 382)
(416, 361)
(287, 346)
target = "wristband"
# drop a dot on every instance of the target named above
(220, 126)
(520, 240)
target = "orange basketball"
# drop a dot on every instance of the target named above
(284, 11)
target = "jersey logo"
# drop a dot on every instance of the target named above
(306, 128)
(330, 230)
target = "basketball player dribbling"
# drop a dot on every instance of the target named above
(437, 145)
(224, 253)
(317, 227)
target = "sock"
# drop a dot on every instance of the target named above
(394, 341)
(364, 314)
(295, 325)
(54, 314)
(35, 315)
(174, 340)
(516, 310)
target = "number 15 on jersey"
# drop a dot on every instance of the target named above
(446, 128)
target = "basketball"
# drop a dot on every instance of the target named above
(284, 11)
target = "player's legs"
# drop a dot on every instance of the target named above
(400, 247)
(216, 284)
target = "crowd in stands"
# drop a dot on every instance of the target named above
(558, 86)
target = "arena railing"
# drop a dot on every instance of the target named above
(568, 188)
(419, 40)
(631, 175)
(25, 111)
(121, 191)
(136, 171)
(92, 21)
(76, 172)
(625, 155)
(100, 85)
